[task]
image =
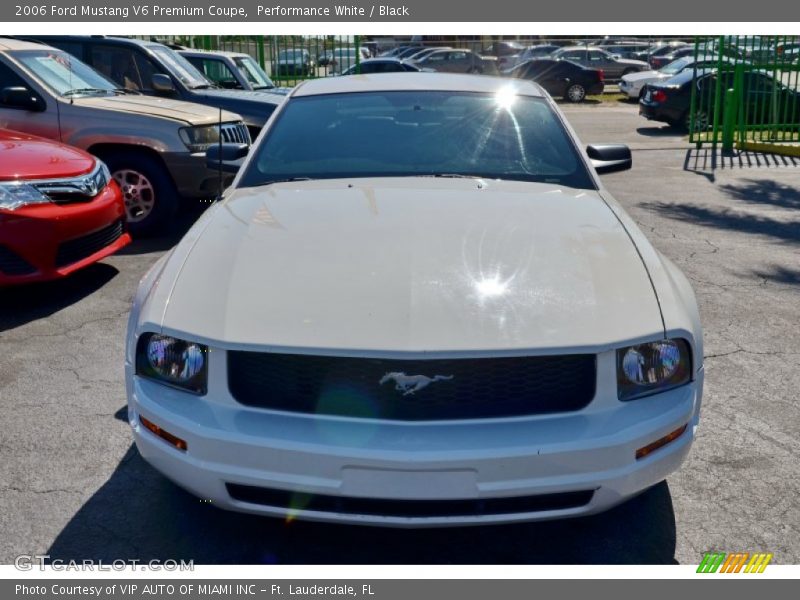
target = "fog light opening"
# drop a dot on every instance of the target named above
(660, 443)
(164, 435)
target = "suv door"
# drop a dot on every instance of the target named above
(42, 122)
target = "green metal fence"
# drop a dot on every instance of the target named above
(286, 59)
(746, 92)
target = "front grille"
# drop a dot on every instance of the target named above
(469, 388)
(12, 263)
(75, 189)
(82, 247)
(235, 133)
(408, 508)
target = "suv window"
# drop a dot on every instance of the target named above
(577, 55)
(216, 70)
(597, 56)
(74, 48)
(118, 64)
(8, 78)
(436, 56)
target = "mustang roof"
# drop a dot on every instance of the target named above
(438, 82)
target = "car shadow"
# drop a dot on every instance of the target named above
(752, 191)
(189, 213)
(25, 303)
(139, 515)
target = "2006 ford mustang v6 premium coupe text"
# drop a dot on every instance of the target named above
(416, 305)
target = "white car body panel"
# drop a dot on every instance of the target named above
(400, 268)
(632, 83)
(414, 265)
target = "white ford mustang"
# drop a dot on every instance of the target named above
(416, 305)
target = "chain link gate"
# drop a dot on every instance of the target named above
(751, 98)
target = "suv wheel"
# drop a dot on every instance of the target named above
(575, 93)
(151, 200)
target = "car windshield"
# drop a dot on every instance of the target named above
(254, 73)
(181, 68)
(417, 134)
(676, 66)
(64, 73)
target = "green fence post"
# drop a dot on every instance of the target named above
(728, 119)
(357, 40)
(693, 136)
(718, 94)
(260, 50)
(738, 85)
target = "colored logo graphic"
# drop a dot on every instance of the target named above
(738, 562)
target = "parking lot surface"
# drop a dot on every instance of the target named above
(73, 486)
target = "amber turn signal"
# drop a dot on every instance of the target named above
(660, 443)
(164, 435)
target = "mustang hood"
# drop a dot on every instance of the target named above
(409, 265)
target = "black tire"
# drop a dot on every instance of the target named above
(147, 188)
(701, 121)
(575, 93)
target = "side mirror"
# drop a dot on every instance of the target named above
(21, 97)
(162, 83)
(227, 157)
(607, 158)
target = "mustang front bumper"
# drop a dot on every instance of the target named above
(412, 474)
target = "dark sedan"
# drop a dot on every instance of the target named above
(663, 59)
(670, 101)
(561, 78)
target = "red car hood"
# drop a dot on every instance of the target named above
(29, 157)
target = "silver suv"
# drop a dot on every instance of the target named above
(155, 148)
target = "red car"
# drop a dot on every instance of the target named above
(59, 209)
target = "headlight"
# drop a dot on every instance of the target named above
(653, 367)
(173, 362)
(15, 195)
(198, 139)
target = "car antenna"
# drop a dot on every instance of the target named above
(219, 156)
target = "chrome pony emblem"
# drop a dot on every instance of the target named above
(408, 384)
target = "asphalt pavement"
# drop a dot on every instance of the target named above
(73, 486)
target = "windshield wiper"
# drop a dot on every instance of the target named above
(452, 176)
(84, 91)
(127, 91)
(287, 180)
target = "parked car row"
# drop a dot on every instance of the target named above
(102, 139)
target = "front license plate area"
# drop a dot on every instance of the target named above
(407, 484)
